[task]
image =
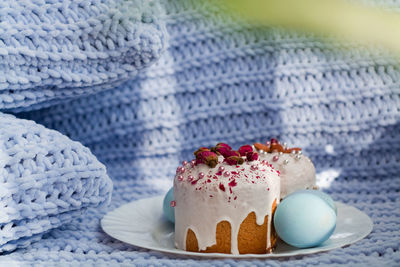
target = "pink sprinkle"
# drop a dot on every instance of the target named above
(201, 175)
(180, 169)
(184, 163)
(190, 178)
(234, 173)
(221, 169)
(180, 177)
(254, 167)
(173, 203)
(193, 163)
(275, 158)
(227, 174)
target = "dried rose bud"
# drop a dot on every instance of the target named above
(274, 141)
(223, 145)
(232, 153)
(234, 160)
(226, 152)
(211, 161)
(201, 149)
(252, 156)
(207, 157)
(245, 149)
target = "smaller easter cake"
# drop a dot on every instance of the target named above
(297, 172)
(224, 201)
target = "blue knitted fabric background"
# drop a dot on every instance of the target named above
(219, 80)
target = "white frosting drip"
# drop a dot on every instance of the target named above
(201, 205)
(297, 174)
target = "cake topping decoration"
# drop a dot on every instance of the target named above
(180, 169)
(275, 146)
(234, 160)
(206, 157)
(243, 150)
(251, 156)
(222, 187)
(193, 163)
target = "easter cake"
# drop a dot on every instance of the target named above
(297, 172)
(224, 201)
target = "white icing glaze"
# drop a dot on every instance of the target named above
(201, 205)
(297, 174)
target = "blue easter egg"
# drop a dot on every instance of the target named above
(304, 219)
(169, 211)
(322, 195)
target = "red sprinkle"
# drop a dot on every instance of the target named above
(173, 203)
(208, 181)
(232, 183)
(235, 198)
(222, 187)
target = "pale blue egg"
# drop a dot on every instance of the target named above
(322, 195)
(304, 219)
(169, 211)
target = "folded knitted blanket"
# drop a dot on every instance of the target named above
(46, 180)
(222, 81)
(62, 49)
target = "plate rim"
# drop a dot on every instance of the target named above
(178, 252)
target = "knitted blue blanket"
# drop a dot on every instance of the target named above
(190, 76)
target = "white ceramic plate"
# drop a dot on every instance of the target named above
(141, 223)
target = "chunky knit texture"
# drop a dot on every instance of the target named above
(223, 81)
(46, 180)
(62, 49)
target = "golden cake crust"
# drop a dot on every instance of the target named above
(252, 238)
